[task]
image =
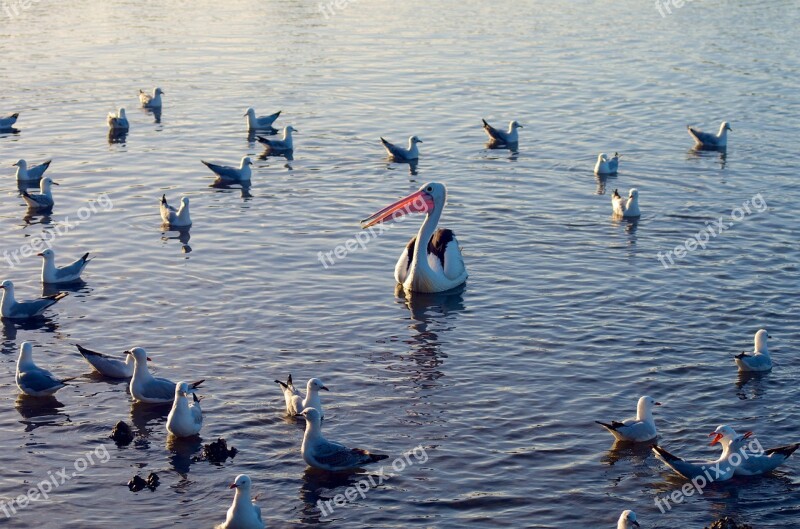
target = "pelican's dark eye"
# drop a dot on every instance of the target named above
(429, 189)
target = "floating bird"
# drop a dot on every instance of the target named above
(326, 455)
(151, 101)
(720, 469)
(295, 403)
(755, 464)
(176, 218)
(118, 122)
(43, 199)
(261, 122)
(431, 261)
(627, 520)
(760, 359)
(498, 136)
(706, 140)
(637, 429)
(626, 208)
(606, 166)
(145, 387)
(21, 310)
(243, 513)
(52, 274)
(232, 174)
(106, 365)
(33, 380)
(282, 145)
(32, 173)
(7, 122)
(399, 154)
(184, 419)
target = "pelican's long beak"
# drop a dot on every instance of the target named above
(416, 202)
(717, 437)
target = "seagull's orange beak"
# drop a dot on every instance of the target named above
(416, 202)
(233, 486)
(747, 435)
(717, 437)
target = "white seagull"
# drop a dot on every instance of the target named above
(499, 136)
(21, 310)
(326, 455)
(431, 261)
(43, 199)
(637, 429)
(706, 140)
(232, 174)
(399, 154)
(720, 469)
(295, 403)
(627, 520)
(184, 419)
(760, 359)
(106, 365)
(606, 165)
(33, 380)
(281, 145)
(145, 387)
(755, 464)
(8, 121)
(32, 173)
(243, 513)
(65, 274)
(176, 218)
(626, 208)
(118, 122)
(260, 122)
(151, 101)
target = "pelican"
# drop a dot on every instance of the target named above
(441, 266)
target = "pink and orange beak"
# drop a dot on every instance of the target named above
(233, 486)
(715, 440)
(416, 202)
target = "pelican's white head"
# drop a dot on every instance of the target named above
(760, 341)
(627, 520)
(644, 409)
(430, 197)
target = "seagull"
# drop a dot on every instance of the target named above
(32, 173)
(399, 154)
(21, 310)
(755, 464)
(606, 166)
(66, 274)
(627, 520)
(638, 429)
(626, 208)
(232, 174)
(32, 380)
(8, 121)
(718, 470)
(184, 419)
(145, 387)
(151, 101)
(279, 145)
(106, 365)
(244, 513)
(176, 218)
(760, 359)
(499, 136)
(119, 121)
(44, 199)
(261, 122)
(706, 140)
(295, 403)
(323, 454)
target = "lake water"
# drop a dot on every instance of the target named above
(568, 315)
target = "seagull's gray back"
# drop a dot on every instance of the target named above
(39, 380)
(29, 309)
(159, 388)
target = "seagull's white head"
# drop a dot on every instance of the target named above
(250, 112)
(725, 126)
(121, 113)
(428, 198)
(633, 193)
(725, 435)
(183, 389)
(761, 341)
(413, 140)
(158, 92)
(7, 285)
(139, 355)
(184, 202)
(22, 164)
(312, 415)
(25, 353)
(242, 483)
(48, 254)
(290, 129)
(645, 406)
(315, 384)
(514, 125)
(602, 157)
(627, 519)
(246, 161)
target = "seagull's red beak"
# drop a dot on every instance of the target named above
(717, 437)
(747, 435)
(416, 202)
(233, 486)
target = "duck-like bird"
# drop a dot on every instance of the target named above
(54, 275)
(606, 165)
(707, 140)
(760, 359)
(44, 199)
(431, 261)
(118, 122)
(637, 429)
(22, 310)
(295, 403)
(326, 455)
(499, 136)
(176, 218)
(32, 173)
(399, 154)
(261, 122)
(626, 208)
(151, 101)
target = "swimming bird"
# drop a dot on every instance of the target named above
(499, 136)
(243, 513)
(626, 208)
(707, 140)
(760, 359)
(720, 469)
(151, 101)
(106, 365)
(399, 154)
(637, 429)
(627, 520)
(261, 122)
(145, 387)
(176, 218)
(606, 165)
(763, 461)
(21, 310)
(326, 455)
(184, 419)
(119, 121)
(65, 274)
(6, 122)
(431, 261)
(232, 174)
(43, 199)
(32, 173)
(281, 145)
(295, 403)
(33, 380)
